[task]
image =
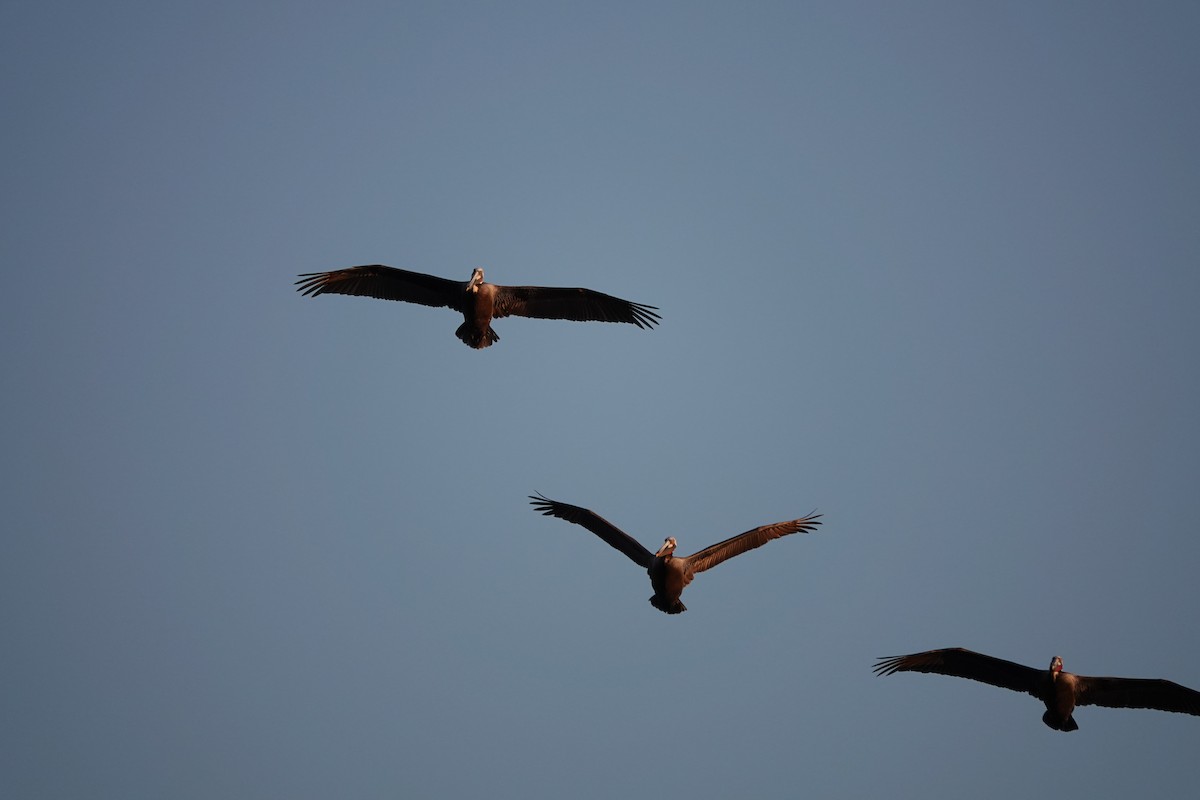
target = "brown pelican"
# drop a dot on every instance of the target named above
(1060, 691)
(478, 302)
(670, 573)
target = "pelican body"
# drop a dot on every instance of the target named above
(670, 574)
(1059, 691)
(478, 301)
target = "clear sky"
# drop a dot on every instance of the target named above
(931, 268)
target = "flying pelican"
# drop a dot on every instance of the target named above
(478, 302)
(1060, 691)
(670, 573)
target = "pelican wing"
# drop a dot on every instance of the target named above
(581, 305)
(711, 556)
(385, 283)
(1137, 693)
(597, 525)
(962, 663)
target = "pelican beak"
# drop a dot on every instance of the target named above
(476, 280)
(667, 547)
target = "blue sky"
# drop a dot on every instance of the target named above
(929, 268)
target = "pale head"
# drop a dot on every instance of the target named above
(667, 548)
(1055, 665)
(476, 280)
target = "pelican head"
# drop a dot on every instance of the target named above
(476, 280)
(667, 549)
(1055, 666)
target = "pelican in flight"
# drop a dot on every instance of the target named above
(669, 573)
(1060, 691)
(479, 302)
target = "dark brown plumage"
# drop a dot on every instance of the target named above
(1060, 691)
(477, 301)
(669, 574)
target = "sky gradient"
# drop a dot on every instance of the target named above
(931, 269)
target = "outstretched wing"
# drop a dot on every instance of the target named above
(711, 556)
(386, 283)
(581, 305)
(962, 663)
(597, 525)
(1137, 693)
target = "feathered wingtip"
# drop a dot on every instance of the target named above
(644, 316)
(312, 284)
(889, 665)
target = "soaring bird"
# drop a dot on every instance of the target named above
(669, 573)
(1060, 691)
(479, 302)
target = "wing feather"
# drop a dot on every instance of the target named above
(961, 663)
(1156, 693)
(711, 556)
(385, 283)
(596, 524)
(580, 305)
